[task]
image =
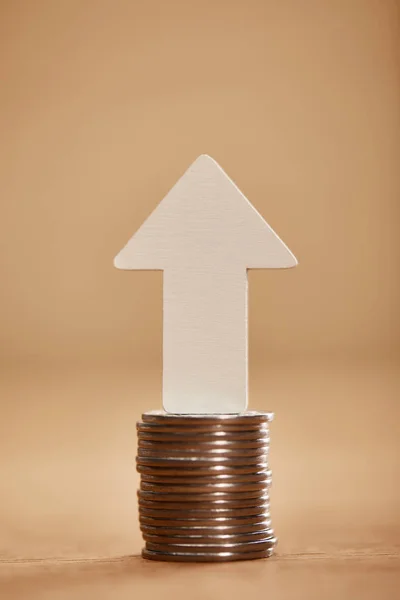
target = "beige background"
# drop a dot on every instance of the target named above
(103, 106)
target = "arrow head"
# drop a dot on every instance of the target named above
(204, 221)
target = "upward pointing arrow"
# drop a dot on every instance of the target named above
(204, 235)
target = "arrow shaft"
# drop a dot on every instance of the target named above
(205, 340)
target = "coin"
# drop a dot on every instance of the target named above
(171, 428)
(252, 417)
(209, 539)
(209, 488)
(261, 526)
(189, 485)
(203, 455)
(190, 461)
(195, 471)
(199, 452)
(229, 547)
(216, 521)
(183, 501)
(203, 504)
(209, 557)
(202, 445)
(207, 512)
(187, 498)
(206, 436)
(262, 476)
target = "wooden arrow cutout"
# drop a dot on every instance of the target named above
(204, 235)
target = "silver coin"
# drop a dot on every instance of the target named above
(191, 461)
(207, 436)
(194, 514)
(209, 557)
(262, 476)
(203, 455)
(200, 471)
(192, 489)
(204, 548)
(202, 445)
(186, 429)
(218, 522)
(208, 488)
(252, 417)
(187, 498)
(260, 527)
(203, 505)
(237, 538)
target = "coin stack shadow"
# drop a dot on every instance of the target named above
(204, 487)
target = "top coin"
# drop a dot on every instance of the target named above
(250, 417)
(232, 428)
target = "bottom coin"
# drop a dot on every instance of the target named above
(197, 548)
(215, 538)
(216, 557)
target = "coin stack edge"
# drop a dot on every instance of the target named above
(204, 487)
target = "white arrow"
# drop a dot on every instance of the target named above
(204, 235)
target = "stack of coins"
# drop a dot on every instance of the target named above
(204, 487)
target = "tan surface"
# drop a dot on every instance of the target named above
(333, 579)
(103, 105)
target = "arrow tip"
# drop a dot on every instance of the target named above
(203, 159)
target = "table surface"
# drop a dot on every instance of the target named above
(372, 576)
